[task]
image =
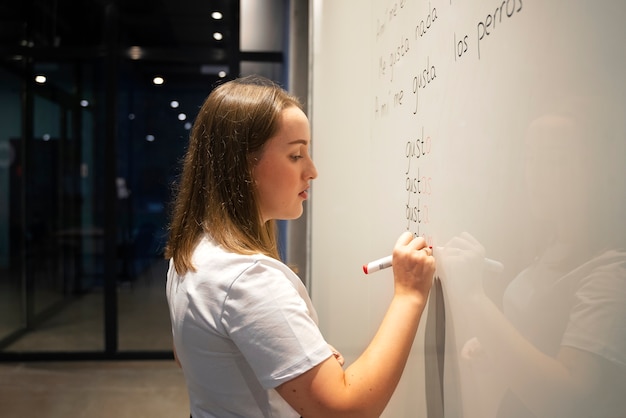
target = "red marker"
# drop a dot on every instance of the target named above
(381, 263)
(385, 262)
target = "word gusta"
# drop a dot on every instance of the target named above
(419, 184)
(417, 214)
(417, 149)
(396, 55)
(420, 81)
(486, 27)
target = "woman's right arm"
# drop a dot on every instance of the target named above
(364, 388)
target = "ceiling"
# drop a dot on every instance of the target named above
(147, 23)
(176, 36)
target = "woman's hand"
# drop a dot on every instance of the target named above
(365, 387)
(462, 266)
(413, 265)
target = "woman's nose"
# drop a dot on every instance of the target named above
(312, 171)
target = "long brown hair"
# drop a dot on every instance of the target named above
(216, 193)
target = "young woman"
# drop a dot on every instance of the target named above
(245, 331)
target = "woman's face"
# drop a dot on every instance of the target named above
(285, 168)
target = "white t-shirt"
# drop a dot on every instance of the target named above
(242, 325)
(584, 308)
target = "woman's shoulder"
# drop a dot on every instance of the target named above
(608, 260)
(209, 256)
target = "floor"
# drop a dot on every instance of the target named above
(99, 389)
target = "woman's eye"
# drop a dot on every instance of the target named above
(296, 157)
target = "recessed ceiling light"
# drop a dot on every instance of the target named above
(135, 52)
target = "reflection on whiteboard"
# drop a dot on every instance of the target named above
(557, 347)
(496, 130)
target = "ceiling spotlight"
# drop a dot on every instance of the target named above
(158, 80)
(174, 104)
(135, 52)
(41, 79)
(217, 15)
(218, 36)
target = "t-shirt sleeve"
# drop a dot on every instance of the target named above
(269, 322)
(597, 322)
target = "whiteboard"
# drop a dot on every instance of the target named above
(495, 129)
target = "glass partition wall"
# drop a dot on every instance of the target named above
(43, 255)
(90, 145)
(89, 148)
(12, 304)
(85, 174)
(81, 270)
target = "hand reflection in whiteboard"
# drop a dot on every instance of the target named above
(557, 345)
